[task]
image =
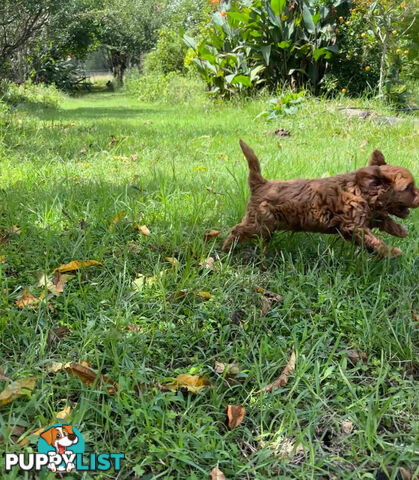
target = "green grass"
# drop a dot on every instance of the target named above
(61, 167)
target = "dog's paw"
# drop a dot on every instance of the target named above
(52, 467)
(395, 252)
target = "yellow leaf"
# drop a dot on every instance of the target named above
(64, 413)
(143, 230)
(193, 383)
(26, 300)
(282, 380)
(55, 367)
(17, 389)
(204, 295)
(75, 265)
(174, 261)
(119, 216)
(2, 259)
(217, 474)
(56, 283)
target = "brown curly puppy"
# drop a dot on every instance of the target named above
(350, 204)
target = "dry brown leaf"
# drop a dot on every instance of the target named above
(26, 300)
(3, 377)
(273, 297)
(286, 447)
(212, 234)
(177, 295)
(217, 474)
(88, 376)
(76, 265)
(119, 216)
(143, 230)
(229, 368)
(132, 327)
(55, 284)
(16, 389)
(347, 427)
(405, 473)
(193, 383)
(58, 333)
(55, 367)
(208, 263)
(235, 415)
(355, 355)
(134, 157)
(265, 307)
(15, 229)
(132, 247)
(415, 316)
(282, 380)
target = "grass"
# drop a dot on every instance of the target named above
(66, 174)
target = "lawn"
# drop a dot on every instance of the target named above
(77, 184)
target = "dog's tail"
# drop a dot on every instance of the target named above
(255, 176)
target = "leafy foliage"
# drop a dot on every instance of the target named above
(286, 104)
(29, 94)
(250, 42)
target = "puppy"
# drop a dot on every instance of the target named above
(60, 438)
(350, 204)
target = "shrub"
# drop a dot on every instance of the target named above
(287, 104)
(29, 94)
(168, 55)
(170, 88)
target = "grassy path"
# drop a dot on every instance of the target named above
(77, 181)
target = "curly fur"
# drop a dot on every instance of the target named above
(349, 204)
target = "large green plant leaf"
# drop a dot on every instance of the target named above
(242, 80)
(277, 6)
(266, 52)
(308, 20)
(189, 41)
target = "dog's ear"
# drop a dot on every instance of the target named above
(48, 436)
(68, 429)
(377, 158)
(371, 178)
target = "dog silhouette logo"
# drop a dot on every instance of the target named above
(61, 442)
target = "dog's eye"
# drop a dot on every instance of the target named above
(58, 435)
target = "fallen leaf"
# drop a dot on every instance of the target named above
(347, 427)
(143, 230)
(415, 316)
(132, 327)
(89, 377)
(355, 355)
(3, 377)
(26, 300)
(204, 295)
(15, 229)
(229, 368)
(138, 284)
(265, 307)
(55, 284)
(2, 259)
(134, 157)
(174, 261)
(286, 447)
(119, 216)
(208, 263)
(55, 367)
(212, 234)
(83, 151)
(21, 387)
(363, 143)
(177, 295)
(193, 383)
(274, 297)
(217, 474)
(235, 415)
(282, 380)
(132, 247)
(64, 413)
(76, 265)
(58, 333)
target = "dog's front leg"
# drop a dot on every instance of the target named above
(364, 236)
(386, 224)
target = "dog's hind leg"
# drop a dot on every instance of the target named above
(388, 225)
(242, 231)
